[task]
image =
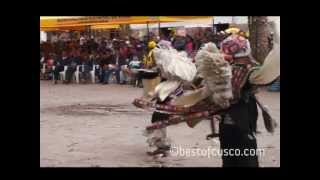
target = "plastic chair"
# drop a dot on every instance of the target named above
(53, 68)
(76, 74)
(43, 70)
(63, 73)
(112, 78)
(93, 73)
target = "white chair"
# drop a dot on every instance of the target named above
(93, 73)
(63, 73)
(76, 74)
(53, 68)
(43, 70)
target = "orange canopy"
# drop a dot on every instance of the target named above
(82, 22)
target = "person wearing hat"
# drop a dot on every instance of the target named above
(239, 121)
(238, 111)
(162, 93)
(149, 74)
(148, 60)
(150, 79)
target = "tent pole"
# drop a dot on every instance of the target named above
(159, 30)
(148, 31)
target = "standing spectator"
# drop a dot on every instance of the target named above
(123, 49)
(92, 45)
(197, 41)
(189, 46)
(148, 60)
(115, 44)
(139, 50)
(179, 43)
(102, 47)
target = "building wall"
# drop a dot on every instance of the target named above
(43, 36)
(231, 19)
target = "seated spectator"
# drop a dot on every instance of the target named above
(41, 62)
(49, 66)
(135, 63)
(124, 50)
(50, 61)
(85, 68)
(59, 65)
(95, 60)
(125, 75)
(115, 65)
(133, 67)
(139, 50)
(109, 65)
(72, 65)
(103, 64)
(46, 63)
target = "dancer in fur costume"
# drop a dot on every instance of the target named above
(175, 68)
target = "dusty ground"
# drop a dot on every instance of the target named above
(96, 126)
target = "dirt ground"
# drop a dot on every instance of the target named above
(95, 125)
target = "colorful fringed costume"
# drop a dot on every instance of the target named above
(227, 88)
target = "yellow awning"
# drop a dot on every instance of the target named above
(59, 17)
(82, 22)
(54, 28)
(155, 19)
(105, 27)
(48, 22)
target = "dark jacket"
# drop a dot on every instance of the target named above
(87, 64)
(74, 61)
(121, 61)
(63, 62)
(107, 60)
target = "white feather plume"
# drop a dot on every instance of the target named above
(174, 65)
